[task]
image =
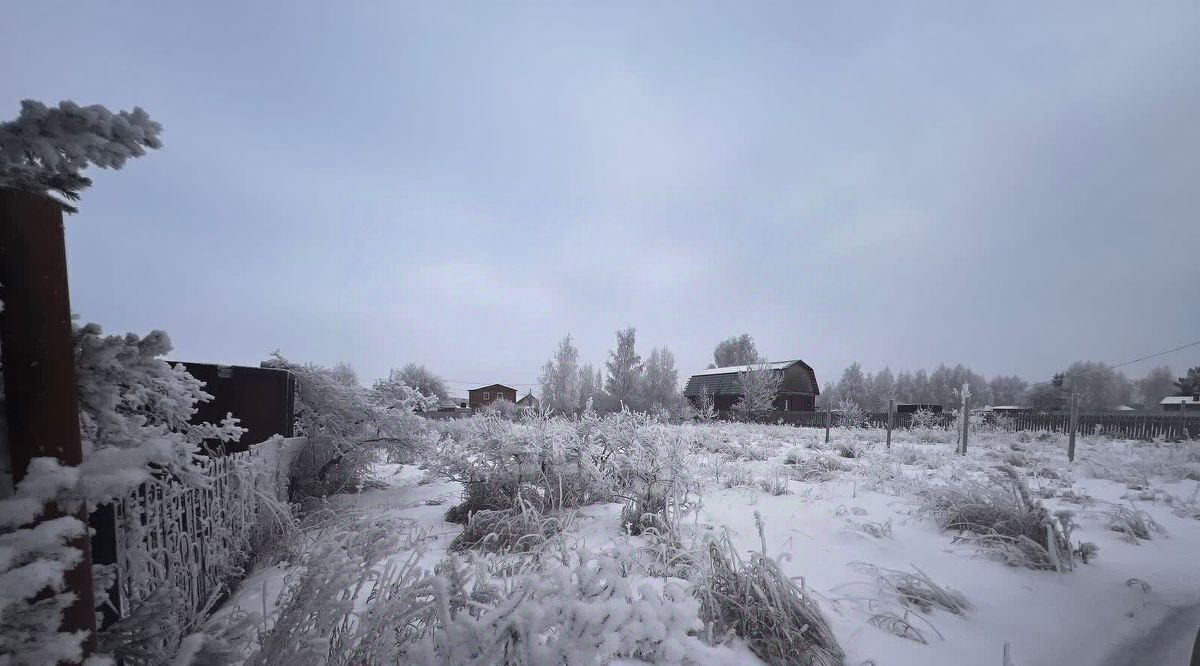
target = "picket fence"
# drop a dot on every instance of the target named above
(188, 542)
(1129, 426)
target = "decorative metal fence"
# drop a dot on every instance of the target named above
(189, 542)
(1130, 426)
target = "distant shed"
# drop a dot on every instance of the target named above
(797, 392)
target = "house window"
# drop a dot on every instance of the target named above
(487, 395)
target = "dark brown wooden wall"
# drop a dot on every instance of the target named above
(475, 396)
(263, 398)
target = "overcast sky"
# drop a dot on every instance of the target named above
(1012, 187)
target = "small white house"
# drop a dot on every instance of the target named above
(1176, 403)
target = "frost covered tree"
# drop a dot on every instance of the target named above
(1006, 390)
(422, 379)
(560, 379)
(760, 386)
(344, 372)
(45, 148)
(1158, 383)
(624, 380)
(1044, 396)
(737, 350)
(1189, 384)
(591, 387)
(853, 385)
(1096, 384)
(881, 389)
(661, 382)
(945, 385)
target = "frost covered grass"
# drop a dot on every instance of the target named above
(518, 529)
(1133, 523)
(754, 599)
(552, 507)
(1003, 518)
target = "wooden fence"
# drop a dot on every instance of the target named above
(186, 543)
(1129, 426)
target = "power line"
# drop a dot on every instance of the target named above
(456, 381)
(1119, 365)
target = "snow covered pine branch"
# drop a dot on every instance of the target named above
(45, 148)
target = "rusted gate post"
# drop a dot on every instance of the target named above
(39, 366)
(1074, 425)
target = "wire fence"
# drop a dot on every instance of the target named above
(1128, 426)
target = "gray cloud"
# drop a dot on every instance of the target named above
(1012, 187)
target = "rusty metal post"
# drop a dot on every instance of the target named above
(39, 366)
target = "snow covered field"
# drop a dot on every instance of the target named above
(853, 523)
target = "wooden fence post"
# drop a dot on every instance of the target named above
(39, 367)
(1073, 426)
(828, 421)
(966, 414)
(891, 416)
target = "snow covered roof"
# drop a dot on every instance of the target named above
(1124, 408)
(732, 369)
(1180, 400)
(493, 386)
(725, 381)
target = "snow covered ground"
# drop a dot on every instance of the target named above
(1137, 602)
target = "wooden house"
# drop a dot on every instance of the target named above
(485, 395)
(798, 389)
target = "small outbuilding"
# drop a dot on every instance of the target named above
(529, 401)
(483, 396)
(798, 389)
(1181, 403)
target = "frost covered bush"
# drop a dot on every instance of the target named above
(583, 609)
(348, 426)
(1003, 518)
(576, 607)
(850, 415)
(548, 462)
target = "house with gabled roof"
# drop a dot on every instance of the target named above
(483, 396)
(798, 389)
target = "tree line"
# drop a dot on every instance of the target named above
(1098, 386)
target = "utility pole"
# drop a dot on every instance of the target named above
(39, 368)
